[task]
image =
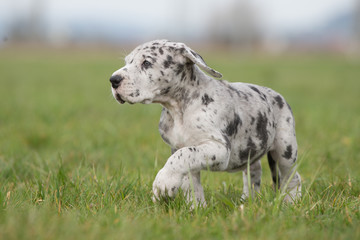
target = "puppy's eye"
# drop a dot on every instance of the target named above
(146, 64)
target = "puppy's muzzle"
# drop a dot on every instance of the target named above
(116, 81)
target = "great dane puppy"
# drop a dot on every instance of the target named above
(210, 124)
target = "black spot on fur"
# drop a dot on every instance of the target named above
(227, 142)
(135, 94)
(232, 127)
(183, 76)
(261, 131)
(182, 50)
(240, 94)
(262, 95)
(288, 153)
(279, 101)
(180, 68)
(206, 100)
(161, 51)
(168, 61)
(252, 120)
(250, 150)
(255, 89)
(165, 90)
(274, 171)
(192, 149)
(213, 158)
(192, 74)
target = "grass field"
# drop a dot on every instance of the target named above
(74, 164)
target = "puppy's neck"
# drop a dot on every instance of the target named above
(184, 90)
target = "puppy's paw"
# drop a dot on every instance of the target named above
(166, 184)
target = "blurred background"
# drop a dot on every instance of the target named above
(274, 26)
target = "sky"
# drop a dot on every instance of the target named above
(275, 16)
(285, 14)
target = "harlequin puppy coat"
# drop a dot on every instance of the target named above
(210, 124)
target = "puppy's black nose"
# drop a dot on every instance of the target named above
(116, 80)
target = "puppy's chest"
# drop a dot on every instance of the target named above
(174, 132)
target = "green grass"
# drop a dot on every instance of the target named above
(74, 164)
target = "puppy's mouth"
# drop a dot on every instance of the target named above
(119, 99)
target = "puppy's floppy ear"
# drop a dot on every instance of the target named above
(198, 60)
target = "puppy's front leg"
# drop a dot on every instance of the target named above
(193, 190)
(210, 155)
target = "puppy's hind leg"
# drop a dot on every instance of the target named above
(255, 179)
(275, 173)
(285, 155)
